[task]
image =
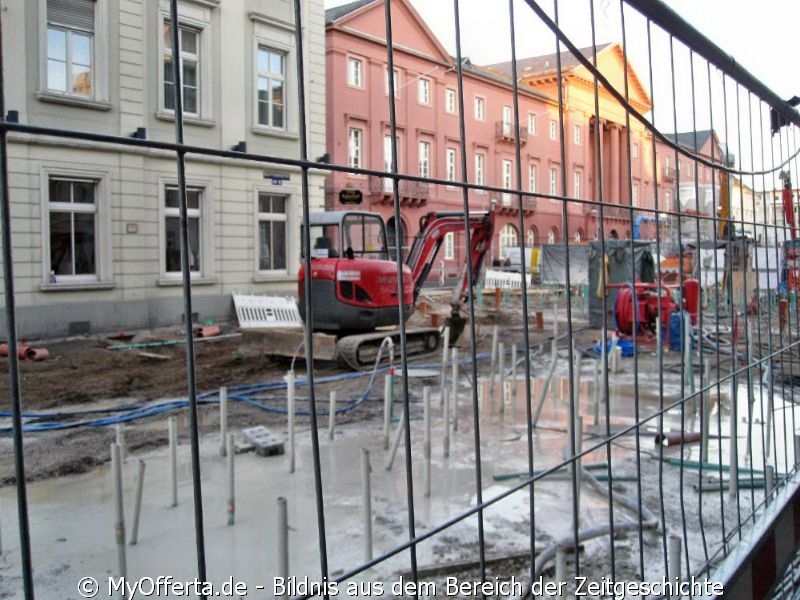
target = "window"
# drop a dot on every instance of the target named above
(450, 100)
(530, 237)
(508, 239)
(424, 159)
(635, 195)
(577, 181)
(395, 81)
(507, 174)
(506, 118)
(271, 232)
(666, 162)
(71, 47)
(578, 134)
(72, 229)
(578, 236)
(424, 91)
(271, 88)
(553, 181)
(189, 64)
(553, 129)
(552, 236)
(480, 168)
(354, 148)
(450, 160)
(449, 245)
(387, 152)
(480, 109)
(172, 248)
(532, 123)
(668, 200)
(635, 150)
(533, 175)
(355, 72)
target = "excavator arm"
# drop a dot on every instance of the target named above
(433, 227)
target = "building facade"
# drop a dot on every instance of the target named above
(95, 225)
(616, 161)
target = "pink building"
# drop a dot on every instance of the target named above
(429, 141)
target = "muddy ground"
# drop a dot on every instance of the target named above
(85, 373)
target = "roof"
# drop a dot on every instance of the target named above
(687, 139)
(535, 65)
(333, 14)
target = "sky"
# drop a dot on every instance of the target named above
(762, 36)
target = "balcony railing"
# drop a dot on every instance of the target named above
(506, 132)
(407, 189)
(509, 202)
(669, 173)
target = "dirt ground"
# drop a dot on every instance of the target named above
(85, 373)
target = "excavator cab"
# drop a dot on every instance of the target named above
(348, 235)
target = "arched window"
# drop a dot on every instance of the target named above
(552, 236)
(578, 236)
(531, 237)
(508, 239)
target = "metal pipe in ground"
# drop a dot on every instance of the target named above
(119, 510)
(223, 420)
(366, 503)
(137, 506)
(769, 482)
(231, 467)
(733, 450)
(426, 441)
(283, 540)
(387, 407)
(501, 372)
(290, 389)
(455, 389)
(173, 459)
(120, 437)
(493, 361)
(546, 384)
(398, 434)
(674, 562)
(705, 408)
(514, 378)
(446, 420)
(770, 408)
(577, 432)
(751, 396)
(332, 415)
(445, 346)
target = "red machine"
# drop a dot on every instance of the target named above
(644, 311)
(354, 279)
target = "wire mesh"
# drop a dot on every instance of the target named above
(615, 469)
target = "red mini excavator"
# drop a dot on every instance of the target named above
(354, 279)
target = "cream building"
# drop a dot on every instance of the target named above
(95, 225)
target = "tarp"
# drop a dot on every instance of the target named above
(553, 264)
(619, 263)
(766, 263)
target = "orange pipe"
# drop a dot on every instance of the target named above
(37, 353)
(208, 331)
(22, 349)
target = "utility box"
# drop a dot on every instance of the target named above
(624, 261)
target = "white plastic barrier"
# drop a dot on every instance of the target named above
(504, 280)
(259, 312)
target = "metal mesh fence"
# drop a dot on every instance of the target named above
(631, 420)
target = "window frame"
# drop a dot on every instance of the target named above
(449, 245)
(205, 230)
(197, 18)
(260, 217)
(553, 129)
(532, 117)
(103, 275)
(480, 108)
(424, 158)
(450, 101)
(533, 177)
(99, 99)
(577, 184)
(451, 162)
(508, 237)
(396, 72)
(275, 49)
(507, 173)
(359, 72)
(424, 91)
(553, 182)
(480, 170)
(577, 134)
(355, 159)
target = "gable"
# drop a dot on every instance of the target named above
(409, 31)
(611, 63)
